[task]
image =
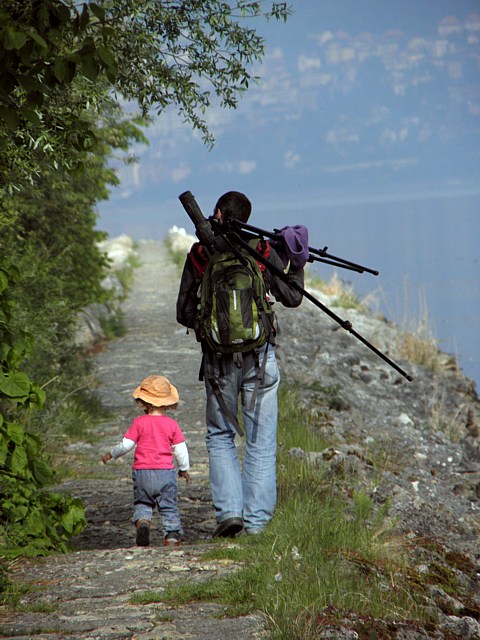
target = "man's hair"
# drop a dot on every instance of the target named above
(234, 206)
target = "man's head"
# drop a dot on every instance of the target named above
(233, 205)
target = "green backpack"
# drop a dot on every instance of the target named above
(235, 315)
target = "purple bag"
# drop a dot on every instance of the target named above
(292, 245)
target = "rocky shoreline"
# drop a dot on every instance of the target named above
(429, 428)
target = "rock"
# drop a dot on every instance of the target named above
(119, 250)
(180, 240)
(465, 628)
(90, 329)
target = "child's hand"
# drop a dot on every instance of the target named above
(106, 458)
(184, 474)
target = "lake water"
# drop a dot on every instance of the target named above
(427, 253)
(426, 250)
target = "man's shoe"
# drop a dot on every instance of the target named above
(173, 538)
(143, 533)
(228, 528)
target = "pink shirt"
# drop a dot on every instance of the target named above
(154, 436)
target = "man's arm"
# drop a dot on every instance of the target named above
(187, 295)
(284, 292)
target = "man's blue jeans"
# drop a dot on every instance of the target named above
(156, 488)
(249, 492)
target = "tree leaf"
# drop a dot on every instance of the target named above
(32, 445)
(3, 450)
(60, 69)
(15, 432)
(31, 116)
(14, 39)
(98, 11)
(3, 281)
(85, 17)
(106, 57)
(29, 83)
(73, 520)
(41, 472)
(35, 523)
(18, 512)
(10, 117)
(37, 397)
(38, 39)
(18, 461)
(90, 69)
(15, 385)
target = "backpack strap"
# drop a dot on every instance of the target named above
(260, 376)
(263, 248)
(237, 359)
(201, 372)
(218, 395)
(199, 258)
(225, 409)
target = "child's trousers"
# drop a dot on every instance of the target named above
(156, 488)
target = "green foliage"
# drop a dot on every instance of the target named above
(32, 520)
(64, 68)
(35, 522)
(48, 232)
(309, 436)
(60, 62)
(48, 53)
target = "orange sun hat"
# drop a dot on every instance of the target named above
(157, 391)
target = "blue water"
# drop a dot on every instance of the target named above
(427, 253)
(425, 248)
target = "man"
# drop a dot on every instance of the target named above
(243, 498)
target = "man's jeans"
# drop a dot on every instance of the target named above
(249, 493)
(156, 488)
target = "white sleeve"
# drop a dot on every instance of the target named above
(121, 449)
(180, 452)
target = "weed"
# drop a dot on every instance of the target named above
(419, 349)
(178, 244)
(126, 274)
(167, 617)
(328, 395)
(418, 343)
(113, 325)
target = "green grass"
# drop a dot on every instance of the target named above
(126, 274)
(326, 549)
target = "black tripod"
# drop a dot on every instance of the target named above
(319, 255)
(230, 233)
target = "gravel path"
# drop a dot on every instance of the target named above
(86, 594)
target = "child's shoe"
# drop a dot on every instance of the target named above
(173, 538)
(143, 533)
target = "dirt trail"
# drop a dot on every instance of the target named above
(87, 594)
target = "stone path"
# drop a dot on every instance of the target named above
(87, 594)
(432, 475)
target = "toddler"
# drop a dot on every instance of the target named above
(157, 439)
